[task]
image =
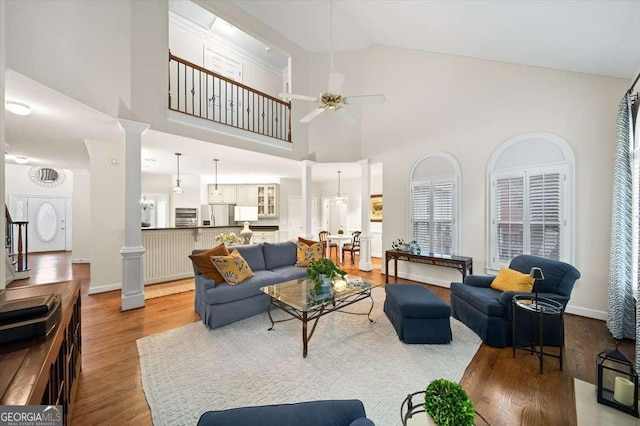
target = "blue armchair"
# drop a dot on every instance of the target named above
(488, 312)
(348, 412)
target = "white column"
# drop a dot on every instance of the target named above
(3, 270)
(307, 165)
(365, 238)
(132, 252)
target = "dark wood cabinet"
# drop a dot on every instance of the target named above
(44, 370)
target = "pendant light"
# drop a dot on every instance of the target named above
(178, 189)
(338, 200)
(216, 191)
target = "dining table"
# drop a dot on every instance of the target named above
(340, 239)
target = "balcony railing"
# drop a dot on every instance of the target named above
(201, 93)
(16, 245)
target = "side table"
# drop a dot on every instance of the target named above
(536, 310)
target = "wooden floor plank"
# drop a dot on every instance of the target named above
(505, 390)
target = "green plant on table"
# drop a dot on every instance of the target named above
(325, 267)
(448, 404)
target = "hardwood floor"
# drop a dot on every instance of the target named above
(505, 390)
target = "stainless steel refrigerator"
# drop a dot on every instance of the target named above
(216, 214)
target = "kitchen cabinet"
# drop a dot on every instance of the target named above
(267, 200)
(260, 237)
(247, 195)
(227, 194)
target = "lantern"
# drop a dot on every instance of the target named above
(617, 384)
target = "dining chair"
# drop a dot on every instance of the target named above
(324, 238)
(352, 247)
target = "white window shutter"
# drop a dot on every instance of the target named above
(545, 215)
(509, 218)
(422, 214)
(442, 217)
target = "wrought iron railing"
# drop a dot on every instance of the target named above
(202, 93)
(16, 244)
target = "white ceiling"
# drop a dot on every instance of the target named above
(595, 37)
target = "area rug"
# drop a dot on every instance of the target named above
(166, 289)
(190, 370)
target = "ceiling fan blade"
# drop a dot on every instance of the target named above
(347, 115)
(335, 83)
(364, 99)
(313, 114)
(300, 97)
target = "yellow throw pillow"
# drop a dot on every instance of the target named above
(510, 280)
(233, 268)
(307, 253)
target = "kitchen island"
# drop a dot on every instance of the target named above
(168, 249)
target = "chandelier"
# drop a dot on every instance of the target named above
(339, 200)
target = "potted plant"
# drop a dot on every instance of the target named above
(448, 404)
(321, 272)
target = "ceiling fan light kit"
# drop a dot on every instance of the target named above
(332, 99)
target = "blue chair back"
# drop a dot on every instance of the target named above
(559, 277)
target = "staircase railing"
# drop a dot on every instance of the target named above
(16, 242)
(202, 93)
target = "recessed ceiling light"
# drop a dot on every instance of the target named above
(21, 160)
(150, 159)
(114, 161)
(268, 49)
(17, 108)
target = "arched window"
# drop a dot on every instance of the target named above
(531, 199)
(435, 201)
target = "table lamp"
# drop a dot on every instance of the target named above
(537, 275)
(245, 214)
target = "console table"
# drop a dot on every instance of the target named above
(461, 263)
(44, 370)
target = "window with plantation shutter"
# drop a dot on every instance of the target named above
(435, 196)
(433, 219)
(527, 216)
(531, 199)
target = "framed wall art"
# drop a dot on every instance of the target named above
(376, 208)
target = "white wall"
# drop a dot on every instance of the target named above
(79, 48)
(3, 269)
(468, 107)
(107, 215)
(81, 239)
(19, 183)
(190, 46)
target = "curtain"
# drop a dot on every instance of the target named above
(621, 313)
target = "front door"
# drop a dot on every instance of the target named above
(47, 223)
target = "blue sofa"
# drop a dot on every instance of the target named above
(488, 312)
(315, 413)
(223, 304)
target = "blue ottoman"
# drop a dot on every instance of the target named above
(418, 315)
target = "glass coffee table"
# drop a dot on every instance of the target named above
(298, 300)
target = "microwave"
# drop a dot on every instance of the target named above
(186, 217)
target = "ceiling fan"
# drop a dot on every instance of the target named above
(332, 99)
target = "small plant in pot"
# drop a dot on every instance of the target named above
(448, 404)
(323, 270)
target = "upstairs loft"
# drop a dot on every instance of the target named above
(202, 93)
(224, 79)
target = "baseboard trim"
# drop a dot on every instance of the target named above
(104, 288)
(168, 278)
(80, 260)
(586, 312)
